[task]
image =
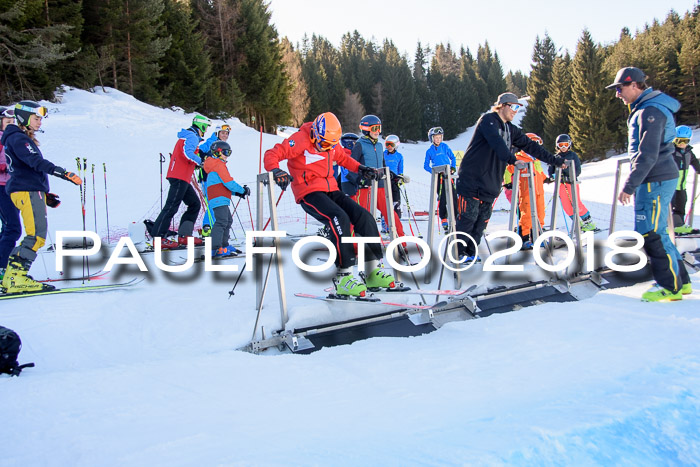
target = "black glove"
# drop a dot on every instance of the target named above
(508, 186)
(282, 178)
(560, 162)
(368, 173)
(548, 180)
(246, 192)
(453, 170)
(52, 200)
(60, 172)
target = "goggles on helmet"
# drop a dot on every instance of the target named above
(563, 145)
(226, 128)
(9, 113)
(375, 128)
(323, 145)
(40, 111)
(390, 144)
(681, 140)
(223, 152)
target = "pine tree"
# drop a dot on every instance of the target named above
(590, 101)
(420, 78)
(558, 101)
(299, 97)
(400, 111)
(689, 63)
(516, 83)
(543, 56)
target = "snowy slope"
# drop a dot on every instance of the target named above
(150, 376)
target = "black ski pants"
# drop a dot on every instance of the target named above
(180, 191)
(472, 219)
(340, 213)
(680, 198)
(442, 199)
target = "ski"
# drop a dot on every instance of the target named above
(79, 289)
(408, 290)
(97, 275)
(369, 300)
(199, 259)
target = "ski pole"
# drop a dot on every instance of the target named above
(410, 211)
(276, 204)
(104, 167)
(162, 159)
(235, 211)
(94, 197)
(250, 211)
(82, 206)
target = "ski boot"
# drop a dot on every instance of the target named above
(347, 286)
(324, 232)
(687, 289)
(588, 226)
(16, 279)
(205, 231)
(660, 294)
(182, 240)
(379, 280)
(445, 226)
(684, 230)
(166, 244)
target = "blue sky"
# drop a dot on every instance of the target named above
(510, 26)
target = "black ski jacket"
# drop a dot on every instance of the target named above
(489, 153)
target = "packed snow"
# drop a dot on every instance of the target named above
(152, 375)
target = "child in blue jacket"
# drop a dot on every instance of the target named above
(439, 154)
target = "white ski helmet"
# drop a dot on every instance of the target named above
(392, 141)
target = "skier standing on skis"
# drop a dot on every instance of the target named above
(438, 154)
(526, 223)
(485, 161)
(563, 149)
(684, 158)
(221, 133)
(220, 186)
(394, 160)
(28, 188)
(9, 214)
(310, 153)
(653, 179)
(184, 160)
(368, 151)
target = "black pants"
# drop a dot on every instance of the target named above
(396, 196)
(340, 213)
(180, 191)
(680, 198)
(442, 200)
(473, 217)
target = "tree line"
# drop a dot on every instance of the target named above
(224, 58)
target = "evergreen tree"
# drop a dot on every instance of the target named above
(689, 64)
(516, 83)
(590, 103)
(543, 56)
(186, 78)
(400, 111)
(299, 97)
(27, 52)
(420, 78)
(558, 100)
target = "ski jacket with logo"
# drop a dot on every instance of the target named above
(220, 184)
(311, 170)
(684, 159)
(28, 168)
(651, 130)
(185, 159)
(367, 153)
(436, 156)
(394, 161)
(488, 154)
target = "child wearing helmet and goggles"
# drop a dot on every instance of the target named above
(310, 153)
(685, 158)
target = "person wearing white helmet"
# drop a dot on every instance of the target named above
(394, 160)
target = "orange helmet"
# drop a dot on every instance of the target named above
(326, 131)
(534, 137)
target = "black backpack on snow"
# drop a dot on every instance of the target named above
(10, 345)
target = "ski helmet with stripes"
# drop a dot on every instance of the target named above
(25, 109)
(370, 123)
(326, 131)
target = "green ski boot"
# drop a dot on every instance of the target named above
(588, 226)
(660, 294)
(687, 289)
(348, 286)
(378, 279)
(683, 229)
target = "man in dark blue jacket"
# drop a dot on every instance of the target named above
(653, 179)
(481, 171)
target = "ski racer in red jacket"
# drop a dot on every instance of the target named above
(310, 153)
(183, 161)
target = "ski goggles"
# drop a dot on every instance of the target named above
(374, 129)
(9, 113)
(40, 111)
(226, 128)
(681, 140)
(323, 145)
(563, 145)
(224, 152)
(514, 107)
(389, 144)
(437, 131)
